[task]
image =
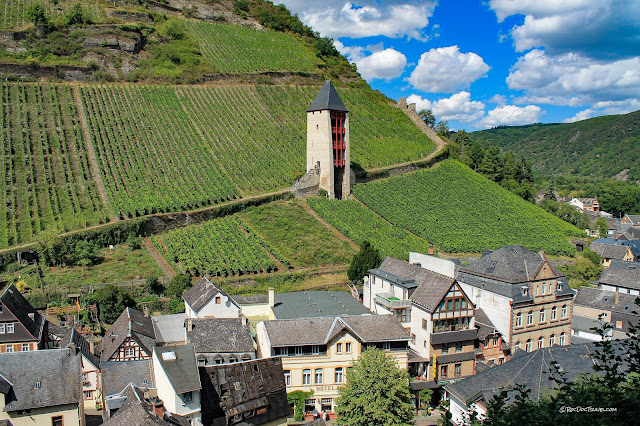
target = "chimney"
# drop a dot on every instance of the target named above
(431, 251)
(617, 297)
(272, 297)
(159, 410)
(189, 324)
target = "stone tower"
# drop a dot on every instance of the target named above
(328, 141)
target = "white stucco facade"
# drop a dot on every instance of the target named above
(174, 402)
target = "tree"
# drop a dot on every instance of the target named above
(376, 393)
(550, 192)
(76, 16)
(602, 226)
(367, 258)
(153, 286)
(491, 164)
(111, 301)
(85, 253)
(35, 13)
(428, 117)
(325, 47)
(442, 128)
(178, 285)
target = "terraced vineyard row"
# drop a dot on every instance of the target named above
(222, 247)
(462, 211)
(47, 182)
(361, 224)
(12, 11)
(152, 157)
(238, 49)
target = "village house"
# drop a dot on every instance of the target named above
(205, 300)
(527, 300)
(594, 306)
(586, 204)
(620, 279)
(220, 340)
(51, 392)
(491, 347)
(250, 392)
(178, 381)
(609, 252)
(91, 383)
(535, 371)
(22, 328)
(434, 309)
(316, 352)
(125, 357)
(631, 219)
(141, 407)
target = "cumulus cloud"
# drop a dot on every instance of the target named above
(606, 108)
(384, 64)
(595, 28)
(367, 18)
(571, 79)
(582, 115)
(511, 115)
(446, 70)
(498, 99)
(458, 107)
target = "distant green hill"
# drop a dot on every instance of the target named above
(459, 210)
(600, 147)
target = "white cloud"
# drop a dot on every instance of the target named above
(367, 18)
(498, 99)
(446, 70)
(384, 64)
(595, 28)
(458, 107)
(582, 115)
(606, 108)
(511, 115)
(572, 79)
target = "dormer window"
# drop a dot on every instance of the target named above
(525, 291)
(218, 300)
(11, 328)
(36, 385)
(129, 352)
(559, 286)
(32, 315)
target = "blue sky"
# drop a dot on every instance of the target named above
(479, 64)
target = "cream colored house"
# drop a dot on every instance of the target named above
(205, 300)
(41, 388)
(91, 379)
(316, 352)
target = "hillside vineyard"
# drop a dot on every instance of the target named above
(166, 148)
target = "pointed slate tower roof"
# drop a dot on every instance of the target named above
(328, 98)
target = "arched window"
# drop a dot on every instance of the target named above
(542, 315)
(564, 311)
(518, 319)
(306, 377)
(554, 313)
(129, 352)
(562, 338)
(517, 346)
(552, 340)
(527, 346)
(541, 342)
(530, 318)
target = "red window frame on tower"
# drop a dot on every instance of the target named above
(338, 119)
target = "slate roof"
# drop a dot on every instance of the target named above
(532, 369)
(202, 292)
(432, 287)
(21, 308)
(116, 375)
(220, 335)
(512, 264)
(584, 324)
(610, 251)
(627, 279)
(169, 328)
(605, 300)
(305, 304)
(454, 336)
(179, 364)
(81, 344)
(635, 218)
(503, 272)
(621, 265)
(59, 372)
(327, 98)
(251, 299)
(484, 325)
(130, 323)
(319, 331)
(139, 411)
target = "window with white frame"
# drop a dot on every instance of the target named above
(11, 328)
(554, 313)
(25, 347)
(339, 375)
(386, 346)
(519, 319)
(339, 348)
(541, 342)
(527, 346)
(187, 397)
(562, 339)
(298, 350)
(129, 352)
(318, 376)
(347, 347)
(552, 340)
(530, 318)
(542, 315)
(315, 349)
(306, 377)
(2, 328)
(287, 377)
(8, 348)
(564, 311)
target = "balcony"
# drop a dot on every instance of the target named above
(389, 301)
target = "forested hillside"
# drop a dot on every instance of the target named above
(601, 147)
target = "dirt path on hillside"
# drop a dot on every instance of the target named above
(167, 270)
(93, 160)
(330, 227)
